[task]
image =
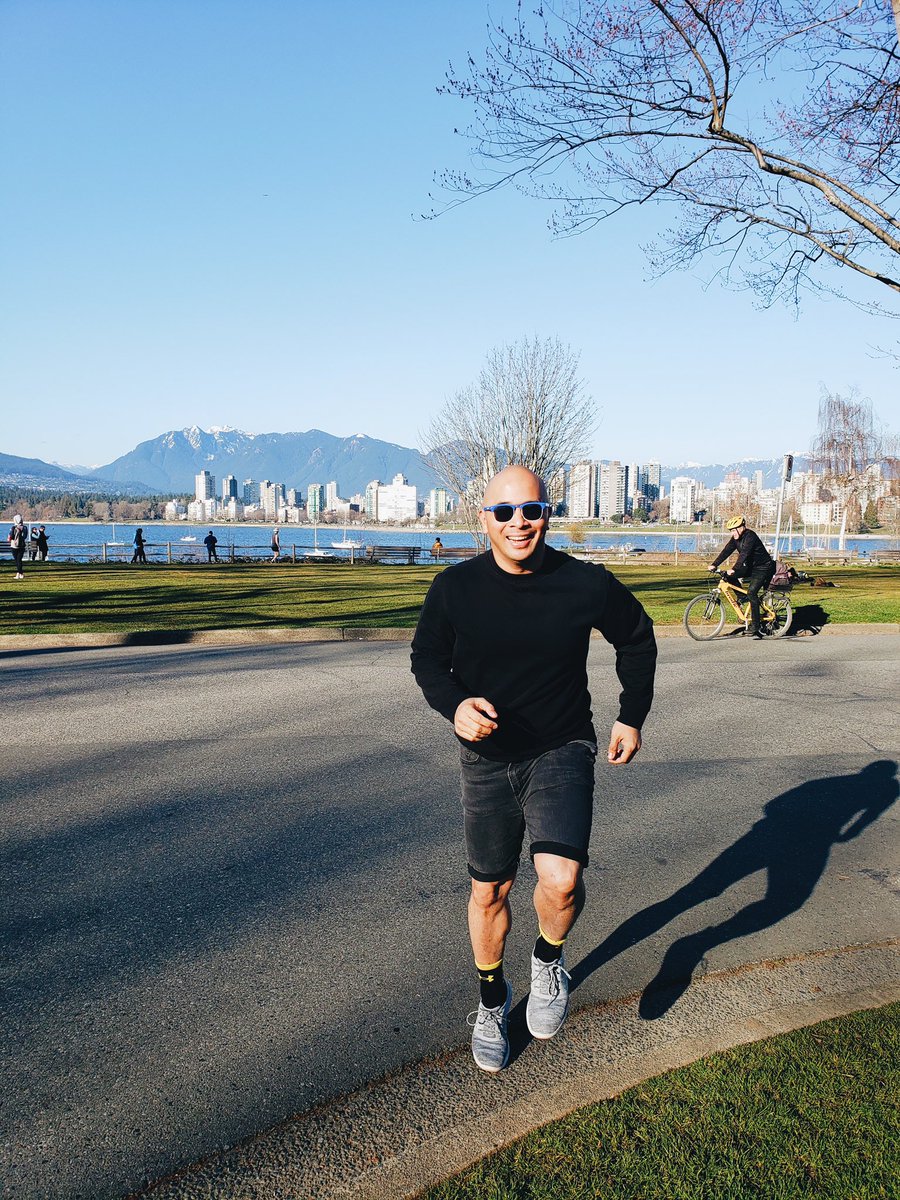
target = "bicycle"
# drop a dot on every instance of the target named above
(705, 615)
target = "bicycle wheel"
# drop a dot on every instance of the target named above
(778, 625)
(704, 616)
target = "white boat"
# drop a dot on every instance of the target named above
(316, 552)
(347, 543)
(114, 542)
(188, 538)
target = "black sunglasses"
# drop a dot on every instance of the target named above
(532, 510)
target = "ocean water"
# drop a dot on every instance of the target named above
(82, 542)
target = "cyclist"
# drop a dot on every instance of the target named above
(755, 566)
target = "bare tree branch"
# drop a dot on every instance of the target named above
(596, 105)
(528, 407)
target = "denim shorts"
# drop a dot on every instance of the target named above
(551, 796)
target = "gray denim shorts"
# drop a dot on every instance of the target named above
(551, 796)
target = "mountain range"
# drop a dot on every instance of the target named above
(168, 464)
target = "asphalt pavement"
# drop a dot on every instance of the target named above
(235, 887)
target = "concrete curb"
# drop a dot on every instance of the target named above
(254, 637)
(424, 1123)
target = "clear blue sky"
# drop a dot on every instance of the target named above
(208, 217)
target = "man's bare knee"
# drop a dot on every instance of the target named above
(489, 897)
(559, 877)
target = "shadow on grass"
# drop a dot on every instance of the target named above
(791, 843)
(808, 618)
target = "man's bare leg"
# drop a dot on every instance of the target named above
(490, 921)
(558, 899)
(559, 894)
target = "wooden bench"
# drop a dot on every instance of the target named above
(405, 554)
(455, 553)
(887, 556)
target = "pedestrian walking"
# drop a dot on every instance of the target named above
(501, 650)
(18, 536)
(276, 544)
(210, 542)
(139, 556)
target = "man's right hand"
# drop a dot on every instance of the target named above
(475, 719)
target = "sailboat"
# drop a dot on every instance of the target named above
(316, 552)
(114, 542)
(347, 543)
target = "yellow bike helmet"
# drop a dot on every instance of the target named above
(735, 522)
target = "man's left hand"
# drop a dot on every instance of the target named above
(624, 743)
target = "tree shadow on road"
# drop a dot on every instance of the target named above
(791, 843)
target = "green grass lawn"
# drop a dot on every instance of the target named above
(69, 598)
(814, 1113)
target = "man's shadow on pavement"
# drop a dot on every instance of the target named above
(791, 843)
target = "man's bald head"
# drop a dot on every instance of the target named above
(515, 484)
(517, 541)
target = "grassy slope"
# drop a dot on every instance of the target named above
(63, 598)
(813, 1113)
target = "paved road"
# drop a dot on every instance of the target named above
(234, 886)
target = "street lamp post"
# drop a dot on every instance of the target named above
(786, 469)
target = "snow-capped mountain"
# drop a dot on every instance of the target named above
(170, 462)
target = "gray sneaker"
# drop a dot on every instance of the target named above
(548, 1002)
(490, 1041)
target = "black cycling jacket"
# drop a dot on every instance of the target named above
(752, 554)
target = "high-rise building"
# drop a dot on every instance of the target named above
(250, 493)
(315, 500)
(204, 486)
(438, 502)
(636, 480)
(581, 503)
(271, 499)
(371, 502)
(229, 489)
(613, 490)
(654, 481)
(331, 496)
(683, 498)
(397, 500)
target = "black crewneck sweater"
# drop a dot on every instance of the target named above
(521, 641)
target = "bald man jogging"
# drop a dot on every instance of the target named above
(501, 651)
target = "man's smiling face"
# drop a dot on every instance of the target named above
(517, 544)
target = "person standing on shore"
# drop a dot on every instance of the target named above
(42, 543)
(276, 544)
(500, 650)
(18, 536)
(210, 542)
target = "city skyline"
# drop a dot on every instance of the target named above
(588, 490)
(192, 238)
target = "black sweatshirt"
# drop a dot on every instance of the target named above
(752, 554)
(521, 641)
